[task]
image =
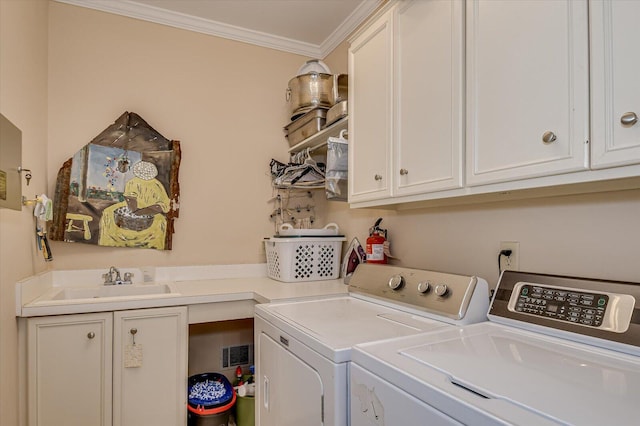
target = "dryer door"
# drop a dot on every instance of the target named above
(291, 391)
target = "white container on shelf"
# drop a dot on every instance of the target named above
(329, 230)
(299, 259)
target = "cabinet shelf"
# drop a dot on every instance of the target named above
(319, 139)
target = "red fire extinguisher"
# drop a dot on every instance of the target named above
(375, 244)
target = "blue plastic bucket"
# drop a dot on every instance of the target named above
(210, 400)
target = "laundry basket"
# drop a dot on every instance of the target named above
(304, 258)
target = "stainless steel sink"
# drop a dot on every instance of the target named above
(112, 291)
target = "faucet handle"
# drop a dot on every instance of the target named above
(107, 278)
(127, 278)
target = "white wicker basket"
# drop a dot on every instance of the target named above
(304, 258)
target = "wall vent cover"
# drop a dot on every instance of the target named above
(237, 355)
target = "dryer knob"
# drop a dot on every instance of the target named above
(396, 282)
(424, 286)
(442, 290)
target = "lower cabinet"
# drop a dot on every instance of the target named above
(124, 368)
(150, 367)
(69, 370)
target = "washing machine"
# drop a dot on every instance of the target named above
(555, 351)
(303, 348)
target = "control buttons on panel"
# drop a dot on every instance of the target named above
(396, 282)
(442, 290)
(571, 306)
(424, 286)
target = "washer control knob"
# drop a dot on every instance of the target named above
(424, 286)
(396, 282)
(442, 290)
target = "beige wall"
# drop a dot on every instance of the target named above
(592, 235)
(224, 100)
(23, 100)
(338, 60)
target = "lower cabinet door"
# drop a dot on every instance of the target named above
(69, 370)
(150, 367)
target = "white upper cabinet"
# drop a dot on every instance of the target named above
(527, 89)
(370, 100)
(406, 101)
(429, 78)
(615, 82)
(479, 99)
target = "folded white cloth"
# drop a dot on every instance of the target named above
(44, 208)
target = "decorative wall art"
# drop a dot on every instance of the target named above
(121, 189)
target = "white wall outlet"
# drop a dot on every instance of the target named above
(511, 262)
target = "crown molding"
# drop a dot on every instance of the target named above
(158, 15)
(357, 17)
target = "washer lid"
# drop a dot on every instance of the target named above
(563, 381)
(332, 326)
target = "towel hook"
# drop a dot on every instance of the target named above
(26, 202)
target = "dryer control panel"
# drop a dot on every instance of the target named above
(578, 307)
(459, 299)
(583, 307)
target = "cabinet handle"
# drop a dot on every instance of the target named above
(91, 335)
(377, 177)
(404, 172)
(629, 119)
(133, 332)
(548, 137)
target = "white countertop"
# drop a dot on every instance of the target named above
(188, 286)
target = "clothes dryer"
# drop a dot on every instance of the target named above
(304, 347)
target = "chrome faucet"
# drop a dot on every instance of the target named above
(110, 279)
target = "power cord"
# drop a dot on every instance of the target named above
(505, 253)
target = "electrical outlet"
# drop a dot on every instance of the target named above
(512, 262)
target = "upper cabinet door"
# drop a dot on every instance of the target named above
(370, 101)
(527, 89)
(429, 64)
(615, 82)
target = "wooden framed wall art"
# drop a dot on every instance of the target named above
(121, 189)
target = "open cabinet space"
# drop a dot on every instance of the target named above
(221, 347)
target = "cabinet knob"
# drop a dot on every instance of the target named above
(133, 331)
(403, 172)
(91, 335)
(548, 137)
(629, 119)
(377, 177)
